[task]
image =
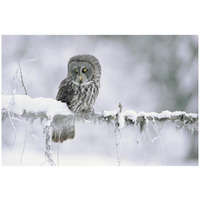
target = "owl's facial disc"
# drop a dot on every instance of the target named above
(82, 72)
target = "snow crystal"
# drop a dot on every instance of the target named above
(24, 103)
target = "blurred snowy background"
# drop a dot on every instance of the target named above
(143, 73)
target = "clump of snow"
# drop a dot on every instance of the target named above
(130, 115)
(141, 114)
(24, 103)
(176, 113)
(107, 113)
(165, 114)
(152, 114)
(193, 115)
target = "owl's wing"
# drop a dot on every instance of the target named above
(64, 127)
(65, 92)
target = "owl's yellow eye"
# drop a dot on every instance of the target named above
(84, 70)
(76, 70)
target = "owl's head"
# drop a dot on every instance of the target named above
(84, 69)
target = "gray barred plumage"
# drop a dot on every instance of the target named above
(79, 90)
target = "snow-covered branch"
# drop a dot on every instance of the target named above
(25, 106)
(55, 118)
(46, 108)
(130, 117)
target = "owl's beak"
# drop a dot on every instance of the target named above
(80, 78)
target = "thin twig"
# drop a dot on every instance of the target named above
(21, 75)
(14, 128)
(117, 142)
(24, 145)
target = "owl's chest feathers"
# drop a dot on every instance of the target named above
(84, 96)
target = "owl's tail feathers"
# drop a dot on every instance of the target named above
(63, 128)
(64, 134)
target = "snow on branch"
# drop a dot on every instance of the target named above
(142, 118)
(27, 107)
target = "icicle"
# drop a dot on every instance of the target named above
(154, 127)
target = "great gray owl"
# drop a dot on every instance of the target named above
(79, 90)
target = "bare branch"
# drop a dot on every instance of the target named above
(21, 75)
